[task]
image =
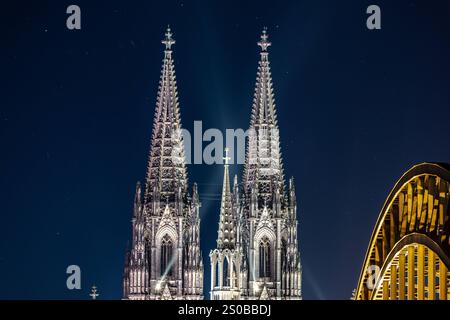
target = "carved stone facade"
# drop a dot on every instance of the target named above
(257, 254)
(165, 260)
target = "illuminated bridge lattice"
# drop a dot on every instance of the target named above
(409, 253)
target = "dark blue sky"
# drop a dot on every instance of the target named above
(356, 109)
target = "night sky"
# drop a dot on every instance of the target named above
(356, 109)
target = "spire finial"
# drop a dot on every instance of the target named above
(226, 158)
(264, 43)
(168, 41)
(94, 293)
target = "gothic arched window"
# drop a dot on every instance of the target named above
(264, 258)
(166, 255)
(284, 255)
(226, 273)
(216, 273)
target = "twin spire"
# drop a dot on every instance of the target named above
(257, 253)
(166, 172)
(263, 166)
(168, 219)
(263, 169)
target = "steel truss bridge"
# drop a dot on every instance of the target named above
(408, 257)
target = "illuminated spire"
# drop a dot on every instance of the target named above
(226, 224)
(166, 205)
(257, 253)
(263, 165)
(166, 171)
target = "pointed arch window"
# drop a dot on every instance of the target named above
(216, 274)
(166, 255)
(284, 255)
(264, 258)
(226, 273)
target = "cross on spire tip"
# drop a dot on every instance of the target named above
(264, 43)
(226, 158)
(168, 40)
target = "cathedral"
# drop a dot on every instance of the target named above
(257, 254)
(165, 261)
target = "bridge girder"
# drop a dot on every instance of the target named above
(409, 252)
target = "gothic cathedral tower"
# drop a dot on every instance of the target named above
(165, 261)
(257, 254)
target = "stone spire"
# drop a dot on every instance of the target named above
(165, 260)
(263, 168)
(166, 172)
(226, 233)
(227, 259)
(267, 228)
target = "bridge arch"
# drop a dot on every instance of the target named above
(410, 245)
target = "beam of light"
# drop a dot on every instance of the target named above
(211, 193)
(255, 284)
(166, 271)
(314, 284)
